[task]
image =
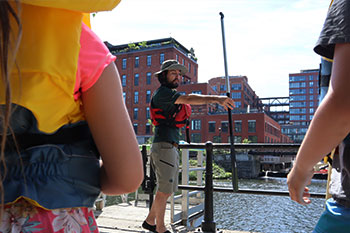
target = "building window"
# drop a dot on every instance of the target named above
(251, 126)
(177, 57)
(311, 97)
(295, 104)
(311, 84)
(222, 87)
(236, 86)
(311, 91)
(195, 71)
(136, 80)
(238, 126)
(238, 104)
(124, 96)
(183, 61)
(148, 96)
(124, 63)
(311, 116)
(136, 113)
(297, 97)
(311, 110)
(295, 118)
(148, 116)
(161, 58)
(297, 110)
(123, 80)
(236, 95)
(224, 126)
(196, 124)
(294, 85)
(237, 139)
(189, 67)
(303, 84)
(148, 128)
(136, 97)
(148, 78)
(197, 92)
(211, 126)
(217, 139)
(135, 128)
(196, 137)
(137, 62)
(149, 60)
(297, 78)
(311, 104)
(303, 130)
(297, 91)
(253, 138)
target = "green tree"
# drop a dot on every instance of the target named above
(218, 172)
(143, 44)
(246, 141)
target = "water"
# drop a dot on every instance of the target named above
(267, 214)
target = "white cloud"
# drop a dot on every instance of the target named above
(265, 40)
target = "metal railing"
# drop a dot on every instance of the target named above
(191, 214)
(202, 214)
(194, 215)
(208, 224)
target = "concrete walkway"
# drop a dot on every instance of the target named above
(126, 218)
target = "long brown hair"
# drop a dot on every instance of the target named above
(9, 44)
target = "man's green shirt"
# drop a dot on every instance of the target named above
(164, 98)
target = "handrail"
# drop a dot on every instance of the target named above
(208, 224)
(280, 146)
(247, 191)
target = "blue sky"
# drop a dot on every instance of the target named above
(265, 39)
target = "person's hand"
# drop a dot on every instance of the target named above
(226, 102)
(297, 181)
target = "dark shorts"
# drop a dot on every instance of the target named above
(336, 218)
(165, 161)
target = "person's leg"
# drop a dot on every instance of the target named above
(164, 157)
(157, 213)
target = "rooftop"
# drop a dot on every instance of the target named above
(151, 44)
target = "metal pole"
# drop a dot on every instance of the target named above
(151, 175)
(144, 160)
(208, 224)
(148, 181)
(233, 155)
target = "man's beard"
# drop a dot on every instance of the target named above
(171, 85)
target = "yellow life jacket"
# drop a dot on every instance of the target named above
(42, 87)
(47, 60)
(85, 6)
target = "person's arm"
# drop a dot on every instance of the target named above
(329, 127)
(196, 99)
(106, 114)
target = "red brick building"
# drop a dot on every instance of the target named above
(137, 62)
(241, 92)
(210, 122)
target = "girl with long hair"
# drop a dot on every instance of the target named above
(65, 132)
